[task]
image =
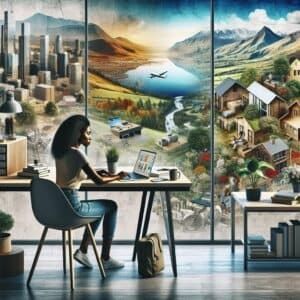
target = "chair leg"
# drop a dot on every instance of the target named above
(64, 250)
(100, 265)
(37, 254)
(71, 259)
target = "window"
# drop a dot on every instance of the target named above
(160, 82)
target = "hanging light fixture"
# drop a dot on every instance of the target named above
(10, 107)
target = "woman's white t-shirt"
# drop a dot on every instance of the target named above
(69, 172)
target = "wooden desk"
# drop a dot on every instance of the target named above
(148, 189)
(264, 205)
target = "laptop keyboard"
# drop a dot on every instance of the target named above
(134, 176)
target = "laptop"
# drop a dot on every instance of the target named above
(143, 165)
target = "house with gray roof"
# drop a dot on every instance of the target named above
(268, 103)
(275, 151)
(231, 97)
(230, 94)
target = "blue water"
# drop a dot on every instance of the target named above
(177, 81)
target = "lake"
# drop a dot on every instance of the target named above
(176, 82)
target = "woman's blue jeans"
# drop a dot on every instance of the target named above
(100, 208)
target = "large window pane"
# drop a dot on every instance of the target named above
(42, 61)
(149, 68)
(255, 99)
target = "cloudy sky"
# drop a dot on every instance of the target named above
(164, 22)
(280, 15)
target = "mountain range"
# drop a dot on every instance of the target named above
(231, 47)
(99, 41)
(250, 47)
(236, 44)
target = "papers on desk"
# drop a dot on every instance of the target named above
(288, 198)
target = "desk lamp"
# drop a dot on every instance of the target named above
(10, 107)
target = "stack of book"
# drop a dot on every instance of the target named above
(257, 247)
(288, 198)
(35, 170)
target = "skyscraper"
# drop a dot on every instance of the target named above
(52, 64)
(9, 33)
(77, 47)
(62, 63)
(8, 38)
(12, 60)
(24, 51)
(75, 75)
(44, 52)
(58, 44)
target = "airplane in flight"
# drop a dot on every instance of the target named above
(160, 75)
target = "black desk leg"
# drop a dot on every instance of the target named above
(232, 225)
(139, 224)
(245, 240)
(148, 213)
(167, 212)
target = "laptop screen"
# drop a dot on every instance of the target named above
(144, 162)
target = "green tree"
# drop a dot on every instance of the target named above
(198, 139)
(51, 109)
(293, 87)
(281, 67)
(248, 76)
(148, 104)
(251, 112)
(269, 125)
(27, 116)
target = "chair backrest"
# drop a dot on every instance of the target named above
(52, 208)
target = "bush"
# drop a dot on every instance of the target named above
(6, 221)
(51, 109)
(251, 112)
(199, 139)
(27, 116)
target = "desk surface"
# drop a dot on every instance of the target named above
(14, 183)
(265, 204)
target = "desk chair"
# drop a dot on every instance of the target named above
(52, 209)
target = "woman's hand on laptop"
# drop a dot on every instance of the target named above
(122, 174)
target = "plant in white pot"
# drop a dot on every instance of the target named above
(112, 156)
(6, 223)
(253, 170)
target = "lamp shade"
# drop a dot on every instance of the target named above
(10, 105)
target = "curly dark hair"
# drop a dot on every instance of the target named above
(68, 134)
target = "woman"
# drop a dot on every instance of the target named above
(72, 166)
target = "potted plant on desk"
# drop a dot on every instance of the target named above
(6, 223)
(253, 170)
(112, 156)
